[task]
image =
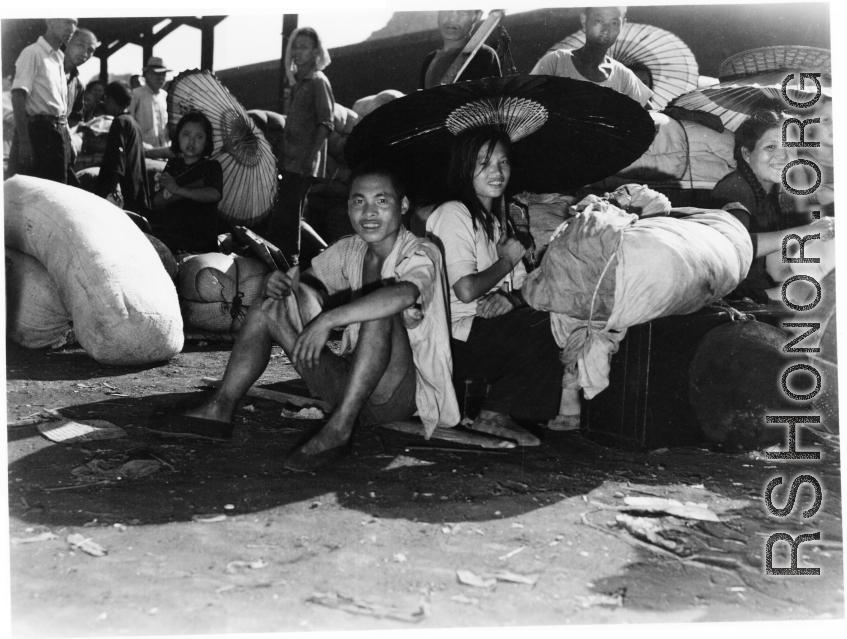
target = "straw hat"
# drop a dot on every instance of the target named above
(155, 64)
(779, 58)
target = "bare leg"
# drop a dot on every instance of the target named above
(264, 324)
(381, 359)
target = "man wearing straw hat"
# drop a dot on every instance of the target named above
(589, 63)
(150, 105)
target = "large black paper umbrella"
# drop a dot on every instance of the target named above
(672, 66)
(735, 100)
(248, 163)
(566, 133)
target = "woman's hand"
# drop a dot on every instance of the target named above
(168, 181)
(510, 248)
(278, 285)
(495, 304)
(310, 343)
(825, 226)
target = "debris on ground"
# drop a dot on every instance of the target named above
(511, 554)
(234, 566)
(71, 432)
(45, 536)
(86, 545)
(36, 418)
(360, 607)
(608, 601)
(472, 579)
(647, 529)
(116, 469)
(208, 519)
(689, 510)
(505, 575)
(472, 601)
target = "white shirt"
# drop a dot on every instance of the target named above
(40, 71)
(621, 79)
(150, 110)
(467, 251)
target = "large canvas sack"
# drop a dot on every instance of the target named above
(604, 272)
(124, 307)
(216, 290)
(36, 317)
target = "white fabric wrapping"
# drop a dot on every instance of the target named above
(662, 266)
(123, 304)
(36, 317)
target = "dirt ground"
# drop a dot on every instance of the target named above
(221, 539)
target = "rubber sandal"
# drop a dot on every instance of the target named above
(564, 423)
(192, 427)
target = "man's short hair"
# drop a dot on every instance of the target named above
(587, 10)
(86, 32)
(120, 92)
(382, 169)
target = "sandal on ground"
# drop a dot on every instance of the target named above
(301, 462)
(503, 426)
(192, 427)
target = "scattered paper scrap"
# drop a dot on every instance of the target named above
(399, 558)
(86, 545)
(671, 507)
(360, 607)
(234, 566)
(609, 601)
(208, 519)
(647, 529)
(45, 536)
(505, 575)
(471, 601)
(71, 432)
(511, 554)
(472, 579)
(304, 413)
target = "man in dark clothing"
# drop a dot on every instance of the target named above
(455, 28)
(123, 173)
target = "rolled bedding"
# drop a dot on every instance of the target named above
(122, 302)
(605, 270)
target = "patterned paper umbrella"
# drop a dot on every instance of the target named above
(733, 101)
(764, 59)
(566, 133)
(248, 163)
(671, 64)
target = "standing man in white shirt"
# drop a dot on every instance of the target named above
(589, 63)
(40, 105)
(150, 105)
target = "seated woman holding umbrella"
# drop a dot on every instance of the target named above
(752, 193)
(495, 335)
(185, 214)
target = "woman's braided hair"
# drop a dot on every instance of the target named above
(746, 137)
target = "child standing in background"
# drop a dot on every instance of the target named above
(304, 147)
(186, 216)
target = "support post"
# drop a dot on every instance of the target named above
(289, 24)
(207, 43)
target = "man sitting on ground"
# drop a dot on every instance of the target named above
(396, 347)
(589, 63)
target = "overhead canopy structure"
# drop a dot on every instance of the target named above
(113, 33)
